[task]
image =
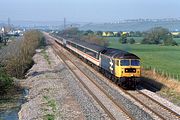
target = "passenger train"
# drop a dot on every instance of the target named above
(120, 66)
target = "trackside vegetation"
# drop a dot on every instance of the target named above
(16, 58)
(5, 81)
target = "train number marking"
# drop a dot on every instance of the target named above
(111, 65)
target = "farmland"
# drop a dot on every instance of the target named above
(177, 40)
(165, 59)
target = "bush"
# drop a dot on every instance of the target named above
(5, 81)
(174, 43)
(132, 41)
(123, 39)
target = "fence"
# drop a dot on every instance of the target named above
(163, 73)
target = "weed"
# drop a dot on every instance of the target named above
(49, 117)
(46, 97)
(46, 56)
(171, 94)
(51, 103)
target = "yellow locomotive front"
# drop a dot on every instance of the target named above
(128, 72)
(127, 68)
(124, 67)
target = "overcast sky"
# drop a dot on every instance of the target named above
(88, 10)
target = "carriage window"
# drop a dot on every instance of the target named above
(73, 45)
(91, 53)
(125, 63)
(68, 43)
(117, 62)
(80, 48)
(135, 62)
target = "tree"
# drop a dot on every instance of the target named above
(5, 81)
(1, 40)
(111, 34)
(174, 43)
(131, 34)
(123, 39)
(89, 32)
(132, 41)
(5, 39)
(155, 35)
(99, 33)
(70, 32)
(118, 34)
(168, 40)
(95, 40)
(137, 34)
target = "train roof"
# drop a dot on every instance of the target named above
(116, 53)
(87, 45)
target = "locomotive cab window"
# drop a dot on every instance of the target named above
(135, 63)
(125, 63)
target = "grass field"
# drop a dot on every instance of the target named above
(177, 40)
(137, 39)
(162, 58)
(1, 44)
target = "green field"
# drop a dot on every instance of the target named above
(1, 45)
(137, 39)
(177, 40)
(162, 58)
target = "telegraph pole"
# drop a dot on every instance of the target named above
(9, 22)
(9, 25)
(64, 23)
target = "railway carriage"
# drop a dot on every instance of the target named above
(85, 50)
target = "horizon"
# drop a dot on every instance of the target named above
(100, 11)
(120, 20)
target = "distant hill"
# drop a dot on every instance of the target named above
(133, 26)
(126, 25)
(57, 25)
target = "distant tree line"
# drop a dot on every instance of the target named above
(156, 35)
(88, 36)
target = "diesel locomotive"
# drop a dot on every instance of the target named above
(120, 66)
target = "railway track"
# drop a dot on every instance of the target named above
(156, 107)
(113, 110)
(134, 94)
